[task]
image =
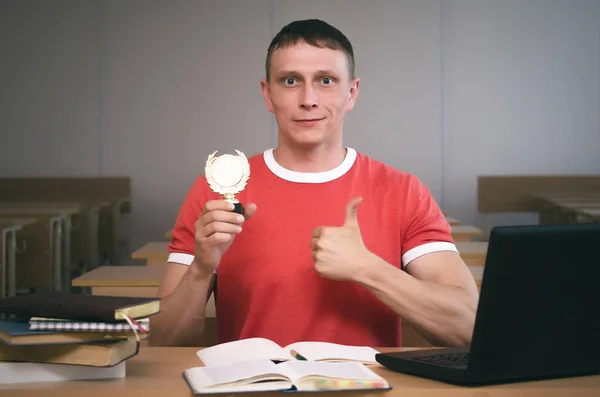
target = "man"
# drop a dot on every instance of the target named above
(334, 246)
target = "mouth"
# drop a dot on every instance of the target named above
(308, 122)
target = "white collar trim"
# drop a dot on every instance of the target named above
(310, 177)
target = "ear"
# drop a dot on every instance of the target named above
(353, 94)
(266, 91)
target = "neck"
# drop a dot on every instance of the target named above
(317, 159)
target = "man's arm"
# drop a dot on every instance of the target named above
(437, 295)
(184, 291)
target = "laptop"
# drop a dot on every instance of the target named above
(538, 315)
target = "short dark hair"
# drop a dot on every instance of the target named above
(314, 32)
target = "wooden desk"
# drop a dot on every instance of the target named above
(465, 232)
(8, 250)
(8, 266)
(28, 254)
(563, 207)
(473, 253)
(568, 196)
(155, 253)
(60, 224)
(589, 214)
(122, 280)
(452, 221)
(157, 372)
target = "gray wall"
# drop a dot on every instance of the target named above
(449, 90)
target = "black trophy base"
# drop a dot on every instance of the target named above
(238, 208)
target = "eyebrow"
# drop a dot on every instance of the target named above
(281, 73)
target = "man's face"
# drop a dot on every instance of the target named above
(310, 90)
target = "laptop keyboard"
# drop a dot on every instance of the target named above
(447, 360)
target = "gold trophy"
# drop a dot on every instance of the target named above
(227, 175)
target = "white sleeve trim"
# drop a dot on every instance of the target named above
(427, 248)
(184, 259)
(178, 257)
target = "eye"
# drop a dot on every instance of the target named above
(289, 81)
(327, 81)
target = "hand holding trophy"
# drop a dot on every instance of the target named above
(227, 175)
(220, 221)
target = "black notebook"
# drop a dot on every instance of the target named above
(80, 307)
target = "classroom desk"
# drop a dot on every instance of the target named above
(75, 224)
(473, 253)
(155, 253)
(59, 217)
(122, 280)
(465, 233)
(157, 372)
(26, 259)
(119, 209)
(452, 221)
(8, 264)
(589, 214)
(563, 207)
(8, 248)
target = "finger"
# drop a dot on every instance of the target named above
(249, 210)
(317, 232)
(221, 216)
(219, 238)
(213, 205)
(220, 227)
(351, 210)
(314, 243)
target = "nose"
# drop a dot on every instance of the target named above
(309, 98)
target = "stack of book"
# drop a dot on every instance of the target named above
(53, 336)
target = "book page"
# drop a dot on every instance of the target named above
(315, 375)
(234, 376)
(243, 350)
(341, 370)
(321, 351)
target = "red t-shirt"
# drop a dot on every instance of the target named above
(267, 285)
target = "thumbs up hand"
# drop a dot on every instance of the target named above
(339, 252)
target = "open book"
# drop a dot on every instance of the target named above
(261, 348)
(265, 375)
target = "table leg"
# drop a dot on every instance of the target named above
(56, 238)
(12, 264)
(117, 231)
(4, 264)
(94, 225)
(66, 270)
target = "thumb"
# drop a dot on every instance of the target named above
(249, 210)
(351, 209)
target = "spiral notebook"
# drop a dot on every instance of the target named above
(55, 324)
